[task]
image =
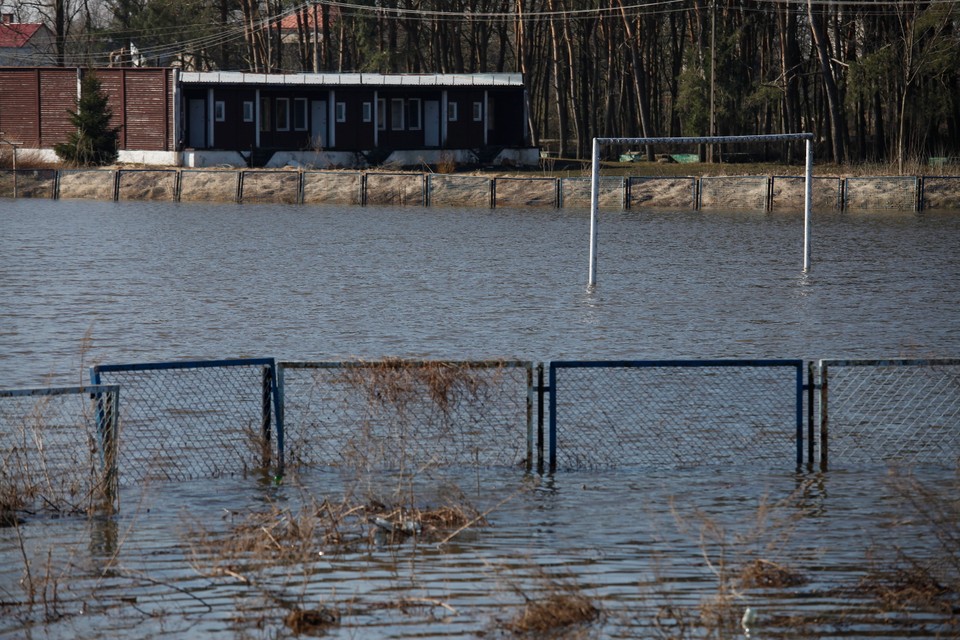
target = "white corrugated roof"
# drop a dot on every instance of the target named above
(353, 79)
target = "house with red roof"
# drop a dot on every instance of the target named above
(25, 44)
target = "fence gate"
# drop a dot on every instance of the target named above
(675, 413)
(904, 410)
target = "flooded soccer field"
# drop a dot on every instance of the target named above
(860, 550)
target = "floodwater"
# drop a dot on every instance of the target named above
(658, 552)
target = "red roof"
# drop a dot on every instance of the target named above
(289, 22)
(16, 35)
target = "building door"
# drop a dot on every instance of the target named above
(198, 124)
(318, 123)
(431, 123)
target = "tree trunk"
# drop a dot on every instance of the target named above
(835, 115)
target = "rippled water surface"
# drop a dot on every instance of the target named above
(89, 282)
(161, 281)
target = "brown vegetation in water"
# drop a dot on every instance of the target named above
(557, 609)
(906, 583)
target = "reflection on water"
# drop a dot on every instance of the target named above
(661, 553)
(655, 551)
(156, 281)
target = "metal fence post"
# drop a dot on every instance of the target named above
(266, 398)
(277, 388)
(553, 418)
(824, 430)
(811, 431)
(540, 390)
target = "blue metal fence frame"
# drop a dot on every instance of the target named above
(269, 363)
(797, 365)
(105, 425)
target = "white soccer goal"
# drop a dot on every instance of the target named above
(776, 137)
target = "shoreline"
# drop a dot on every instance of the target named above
(781, 193)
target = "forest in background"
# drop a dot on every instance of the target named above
(876, 81)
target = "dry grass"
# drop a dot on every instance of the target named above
(581, 168)
(765, 574)
(407, 412)
(396, 383)
(26, 160)
(446, 164)
(311, 621)
(557, 609)
(34, 477)
(905, 583)
(754, 555)
(912, 587)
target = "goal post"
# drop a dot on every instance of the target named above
(774, 137)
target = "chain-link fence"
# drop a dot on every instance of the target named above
(675, 413)
(397, 414)
(58, 448)
(905, 411)
(201, 419)
(186, 420)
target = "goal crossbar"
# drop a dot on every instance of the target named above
(773, 137)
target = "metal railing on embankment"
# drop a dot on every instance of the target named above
(203, 419)
(749, 193)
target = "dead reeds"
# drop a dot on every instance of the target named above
(902, 582)
(556, 608)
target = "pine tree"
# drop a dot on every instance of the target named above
(94, 142)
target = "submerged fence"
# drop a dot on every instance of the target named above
(869, 411)
(200, 419)
(58, 448)
(675, 413)
(408, 414)
(203, 419)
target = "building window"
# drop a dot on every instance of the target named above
(368, 112)
(341, 112)
(283, 114)
(452, 111)
(248, 111)
(265, 114)
(478, 112)
(396, 114)
(381, 114)
(413, 114)
(300, 114)
(219, 111)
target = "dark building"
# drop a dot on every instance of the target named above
(170, 117)
(350, 118)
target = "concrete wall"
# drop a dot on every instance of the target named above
(753, 193)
